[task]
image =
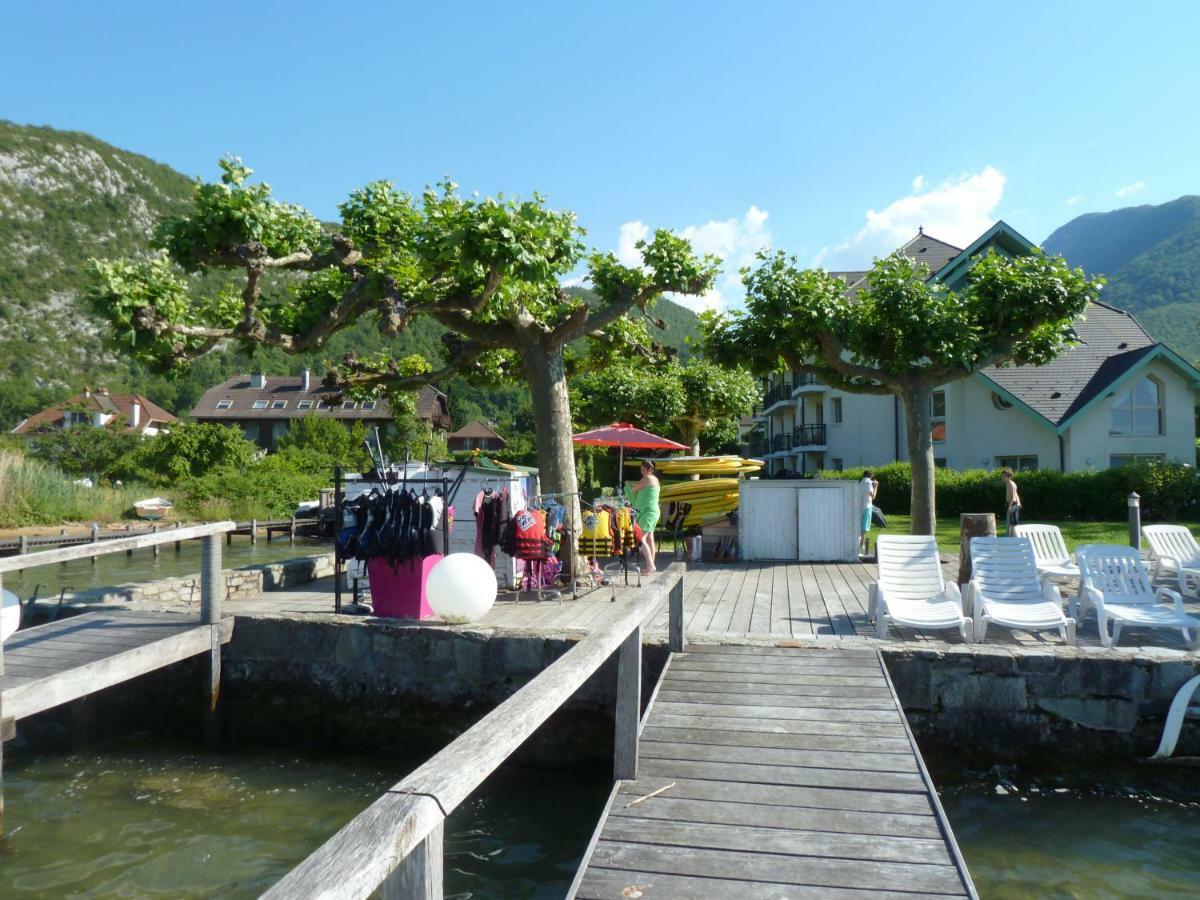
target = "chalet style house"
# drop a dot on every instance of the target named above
(101, 409)
(1113, 397)
(264, 405)
(475, 435)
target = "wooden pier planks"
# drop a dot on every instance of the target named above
(65, 660)
(788, 773)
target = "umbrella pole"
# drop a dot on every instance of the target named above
(620, 470)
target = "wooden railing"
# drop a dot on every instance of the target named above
(396, 843)
(212, 581)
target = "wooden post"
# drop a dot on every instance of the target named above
(292, 532)
(22, 545)
(1135, 520)
(675, 618)
(95, 539)
(253, 531)
(629, 706)
(178, 544)
(972, 525)
(157, 547)
(212, 592)
(419, 876)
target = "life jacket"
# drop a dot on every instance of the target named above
(530, 534)
(596, 537)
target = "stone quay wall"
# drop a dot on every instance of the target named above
(986, 704)
(248, 581)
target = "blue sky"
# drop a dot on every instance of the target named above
(829, 130)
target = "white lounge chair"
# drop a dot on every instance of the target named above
(1005, 589)
(1116, 583)
(1050, 550)
(911, 589)
(1176, 556)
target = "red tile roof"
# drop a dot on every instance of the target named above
(119, 406)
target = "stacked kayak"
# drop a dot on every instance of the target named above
(710, 498)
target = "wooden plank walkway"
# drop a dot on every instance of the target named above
(784, 773)
(65, 660)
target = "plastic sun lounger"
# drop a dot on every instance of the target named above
(1050, 551)
(1116, 584)
(1176, 556)
(1005, 589)
(911, 589)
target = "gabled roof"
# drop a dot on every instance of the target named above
(1002, 237)
(120, 406)
(923, 248)
(475, 429)
(1111, 346)
(284, 394)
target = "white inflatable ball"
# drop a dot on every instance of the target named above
(461, 588)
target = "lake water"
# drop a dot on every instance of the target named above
(143, 817)
(116, 568)
(1122, 832)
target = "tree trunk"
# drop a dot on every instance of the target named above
(972, 525)
(552, 417)
(920, 457)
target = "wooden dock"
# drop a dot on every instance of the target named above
(69, 659)
(772, 772)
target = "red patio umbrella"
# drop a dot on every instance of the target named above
(622, 434)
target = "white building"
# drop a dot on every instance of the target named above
(1114, 396)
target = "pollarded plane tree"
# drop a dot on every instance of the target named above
(489, 270)
(903, 333)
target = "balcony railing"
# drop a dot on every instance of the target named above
(808, 435)
(759, 445)
(781, 442)
(776, 393)
(805, 379)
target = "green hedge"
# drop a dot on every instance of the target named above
(1169, 492)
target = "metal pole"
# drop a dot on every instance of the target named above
(337, 529)
(157, 547)
(1135, 520)
(212, 580)
(253, 531)
(95, 539)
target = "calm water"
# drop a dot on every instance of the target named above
(116, 568)
(1122, 833)
(143, 819)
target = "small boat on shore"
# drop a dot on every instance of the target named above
(153, 507)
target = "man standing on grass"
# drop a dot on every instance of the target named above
(1012, 501)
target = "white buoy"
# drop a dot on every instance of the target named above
(10, 615)
(461, 588)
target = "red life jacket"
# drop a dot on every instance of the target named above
(530, 528)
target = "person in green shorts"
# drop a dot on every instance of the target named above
(643, 497)
(867, 489)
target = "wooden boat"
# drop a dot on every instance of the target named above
(153, 507)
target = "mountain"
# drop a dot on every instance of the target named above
(66, 197)
(1151, 258)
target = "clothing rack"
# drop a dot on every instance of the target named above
(618, 501)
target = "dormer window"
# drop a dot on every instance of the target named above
(304, 404)
(279, 404)
(368, 404)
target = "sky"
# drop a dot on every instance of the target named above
(831, 131)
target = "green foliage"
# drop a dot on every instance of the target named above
(34, 493)
(187, 450)
(1169, 492)
(328, 440)
(82, 450)
(267, 488)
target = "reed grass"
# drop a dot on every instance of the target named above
(33, 493)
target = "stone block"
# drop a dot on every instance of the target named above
(981, 692)
(1093, 712)
(353, 648)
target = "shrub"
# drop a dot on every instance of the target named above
(268, 488)
(1169, 491)
(187, 450)
(84, 450)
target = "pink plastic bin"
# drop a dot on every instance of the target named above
(400, 593)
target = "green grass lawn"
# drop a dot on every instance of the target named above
(1074, 533)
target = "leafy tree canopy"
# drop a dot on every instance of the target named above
(904, 333)
(188, 449)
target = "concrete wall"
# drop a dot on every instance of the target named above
(248, 581)
(999, 704)
(866, 435)
(1091, 444)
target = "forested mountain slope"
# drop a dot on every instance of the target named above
(1151, 257)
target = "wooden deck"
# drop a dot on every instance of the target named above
(774, 773)
(65, 660)
(759, 602)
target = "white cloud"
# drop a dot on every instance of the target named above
(1073, 199)
(958, 210)
(1131, 188)
(734, 240)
